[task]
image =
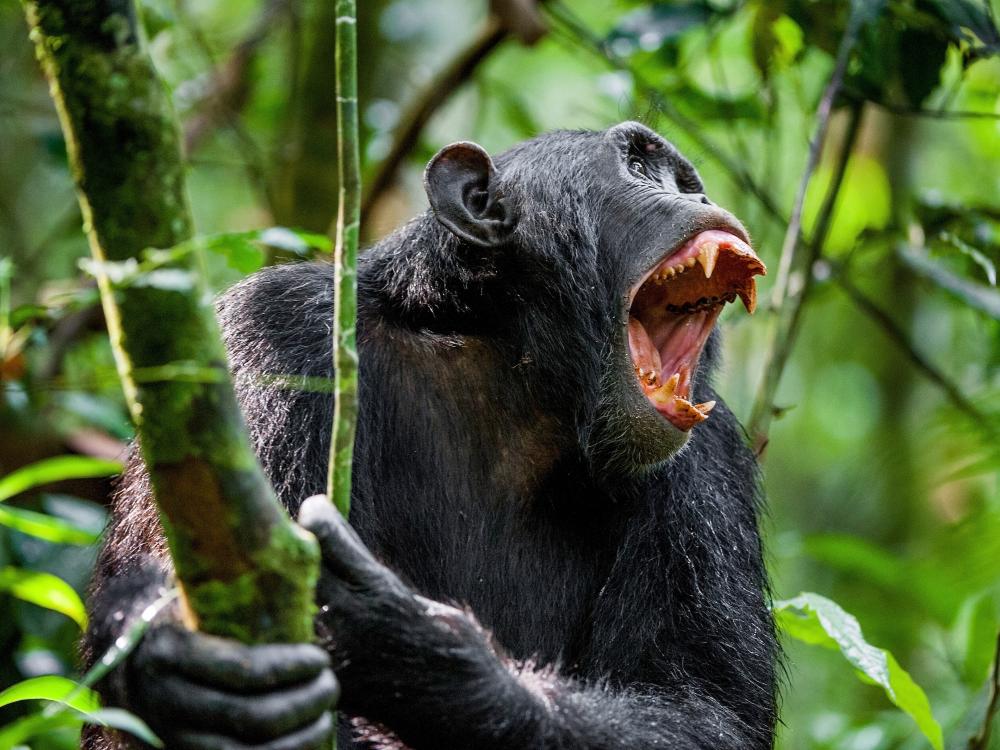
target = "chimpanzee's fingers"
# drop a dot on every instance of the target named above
(225, 663)
(249, 718)
(343, 552)
(312, 737)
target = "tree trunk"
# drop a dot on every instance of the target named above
(246, 570)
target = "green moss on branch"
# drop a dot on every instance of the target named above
(246, 570)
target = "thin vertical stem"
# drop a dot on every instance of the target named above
(790, 315)
(345, 259)
(794, 232)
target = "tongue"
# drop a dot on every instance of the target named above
(666, 396)
(645, 356)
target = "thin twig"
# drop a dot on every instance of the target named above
(792, 235)
(981, 740)
(791, 314)
(938, 114)
(430, 99)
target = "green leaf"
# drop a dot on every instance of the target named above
(17, 733)
(965, 16)
(239, 250)
(45, 590)
(816, 620)
(294, 240)
(83, 701)
(979, 296)
(127, 722)
(55, 470)
(52, 688)
(656, 26)
(45, 527)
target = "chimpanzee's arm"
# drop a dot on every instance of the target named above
(195, 691)
(431, 674)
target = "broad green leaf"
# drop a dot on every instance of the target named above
(55, 470)
(43, 526)
(52, 688)
(814, 619)
(45, 590)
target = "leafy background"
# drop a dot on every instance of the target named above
(881, 466)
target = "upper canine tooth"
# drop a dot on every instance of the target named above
(707, 255)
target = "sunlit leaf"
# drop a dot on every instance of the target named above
(52, 688)
(55, 470)
(294, 240)
(45, 527)
(814, 619)
(863, 202)
(45, 590)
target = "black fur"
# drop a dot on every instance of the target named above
(621, 602)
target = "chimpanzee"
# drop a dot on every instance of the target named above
(553, 538)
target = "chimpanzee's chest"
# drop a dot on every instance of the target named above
(531, 575)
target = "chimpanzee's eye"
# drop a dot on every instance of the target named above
(638, 167)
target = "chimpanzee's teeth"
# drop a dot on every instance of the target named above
(701, 304)
(669, 273)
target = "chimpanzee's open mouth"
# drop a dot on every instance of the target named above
(672, 311)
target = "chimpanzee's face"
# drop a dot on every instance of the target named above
(640, 261)
(674, 260)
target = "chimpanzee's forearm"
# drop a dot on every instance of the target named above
(464, 695)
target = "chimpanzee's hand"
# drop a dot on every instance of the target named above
(200, 692)
(390, 645)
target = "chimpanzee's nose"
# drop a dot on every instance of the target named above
(697, 198)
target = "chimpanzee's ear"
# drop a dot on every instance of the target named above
(461, 185)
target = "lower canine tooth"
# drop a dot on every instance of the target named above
(706, 407)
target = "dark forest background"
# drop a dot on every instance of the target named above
(872, 127)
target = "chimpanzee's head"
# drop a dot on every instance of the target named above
(619, 249)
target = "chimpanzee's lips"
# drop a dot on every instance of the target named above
(673, 309)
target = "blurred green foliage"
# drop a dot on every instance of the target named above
(882, 467)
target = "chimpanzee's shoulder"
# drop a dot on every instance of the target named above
(278, 316)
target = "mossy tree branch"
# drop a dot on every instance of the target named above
(246, 570)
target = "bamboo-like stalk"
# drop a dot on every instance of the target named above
(246, 570)
(345, 259)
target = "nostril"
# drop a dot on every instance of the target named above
(705, 200)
